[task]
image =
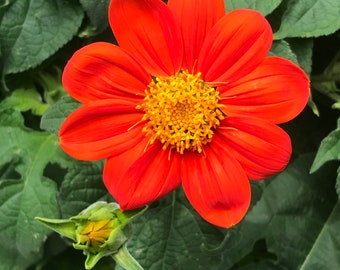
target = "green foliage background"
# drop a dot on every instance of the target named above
(294, 220)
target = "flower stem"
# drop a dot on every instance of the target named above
(125, 259)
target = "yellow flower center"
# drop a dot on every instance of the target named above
(182, 111)
(95, 233)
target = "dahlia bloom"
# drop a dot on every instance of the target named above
(189, 97)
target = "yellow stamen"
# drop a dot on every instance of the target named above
(95, 233)
(181, 111)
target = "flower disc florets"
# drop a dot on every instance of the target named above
(181, 111)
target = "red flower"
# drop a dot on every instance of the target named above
(189, 97)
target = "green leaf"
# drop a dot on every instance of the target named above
(4, 4)
(283, 49)
(82, 186)
(97, 11)
(265, 7)
(337, 185)
(10, 117)
(56, 114)
(303, 49)
(171, 236)
(310, 18)
(11, 260)
(301, 208)
(51, 84)
(32, 30)
(30, 196)
(24, 100)
(297, 50)
(263, 265)
(290, 217)
(328, 150)
(324, 254)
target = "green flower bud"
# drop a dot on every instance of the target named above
(99, 230)
(95, 233)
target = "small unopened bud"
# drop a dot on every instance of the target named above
(99, 230)
(95, 233)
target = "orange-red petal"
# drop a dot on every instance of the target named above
(196, 18)
(262, 148)
(142, 174)
(235, 46)
(277, 90)
(102, 70)
(146, 28)
(100, 129)
(216, 185)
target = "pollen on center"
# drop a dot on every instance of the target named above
(181, 111)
